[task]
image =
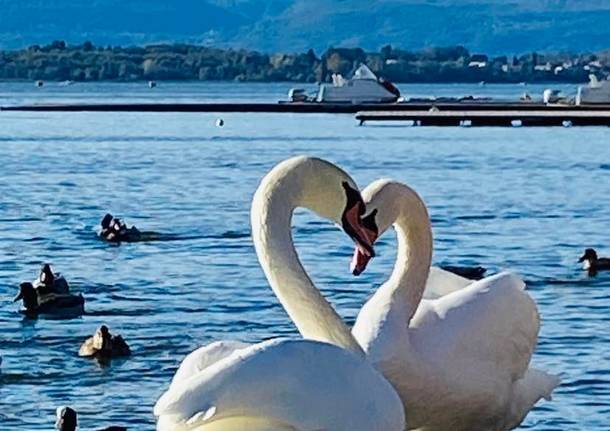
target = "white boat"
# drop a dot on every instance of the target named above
(363, 87)
(595, 92)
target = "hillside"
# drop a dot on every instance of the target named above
(510, 27)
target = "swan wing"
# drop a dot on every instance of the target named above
(294, 384)
(527, 391)
(442, 282)
(205, 356)
(492, 322)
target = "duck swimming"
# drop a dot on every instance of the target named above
(470, 272)
(592, 263)
(67, 421)
(115, 230)
(52, 304)
(104, 345)
(47, 282)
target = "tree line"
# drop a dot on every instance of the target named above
(86, 62)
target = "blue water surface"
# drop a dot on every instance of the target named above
(525, 199)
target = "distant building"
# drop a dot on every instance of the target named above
(478, 60)
(543, 67)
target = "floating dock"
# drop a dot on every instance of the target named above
(492, 117)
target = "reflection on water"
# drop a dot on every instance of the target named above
(501, 198)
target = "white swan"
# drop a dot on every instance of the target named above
(298, 385)
(460, 362)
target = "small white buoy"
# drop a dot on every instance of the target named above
(566, 123)
(516, 123)
(220, 122)
(152, 84)
(39, 83)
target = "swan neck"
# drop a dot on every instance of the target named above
(414, 255)
(312, 314)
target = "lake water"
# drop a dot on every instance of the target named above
(525, 199)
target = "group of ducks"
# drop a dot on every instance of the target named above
(429, 350)
(50, 293)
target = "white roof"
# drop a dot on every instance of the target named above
(363, 72)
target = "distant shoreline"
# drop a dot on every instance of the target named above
(190, 63)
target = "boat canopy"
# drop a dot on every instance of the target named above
(363, 72)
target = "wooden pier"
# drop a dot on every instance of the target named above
(492, 117)
(408, 108)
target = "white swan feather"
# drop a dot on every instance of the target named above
(459, 362)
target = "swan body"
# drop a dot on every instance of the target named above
(282, 385)
(321, 383)
(459, 362)
(441, 282)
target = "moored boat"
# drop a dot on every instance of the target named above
(363, 87)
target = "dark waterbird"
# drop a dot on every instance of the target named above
(48, 282)
(593, 263)
(104, 345)
(51, 304)
(115, 230)
(67, 420)
(470, 272)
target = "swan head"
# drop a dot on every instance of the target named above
(383, 207)
(66, 419)
(589, 256)
(321, 187)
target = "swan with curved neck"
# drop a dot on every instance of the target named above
(460, 362)
(284, 385)
(304, 182)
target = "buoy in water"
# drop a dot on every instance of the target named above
(39, 83)
(152, 84)
(220, 122)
